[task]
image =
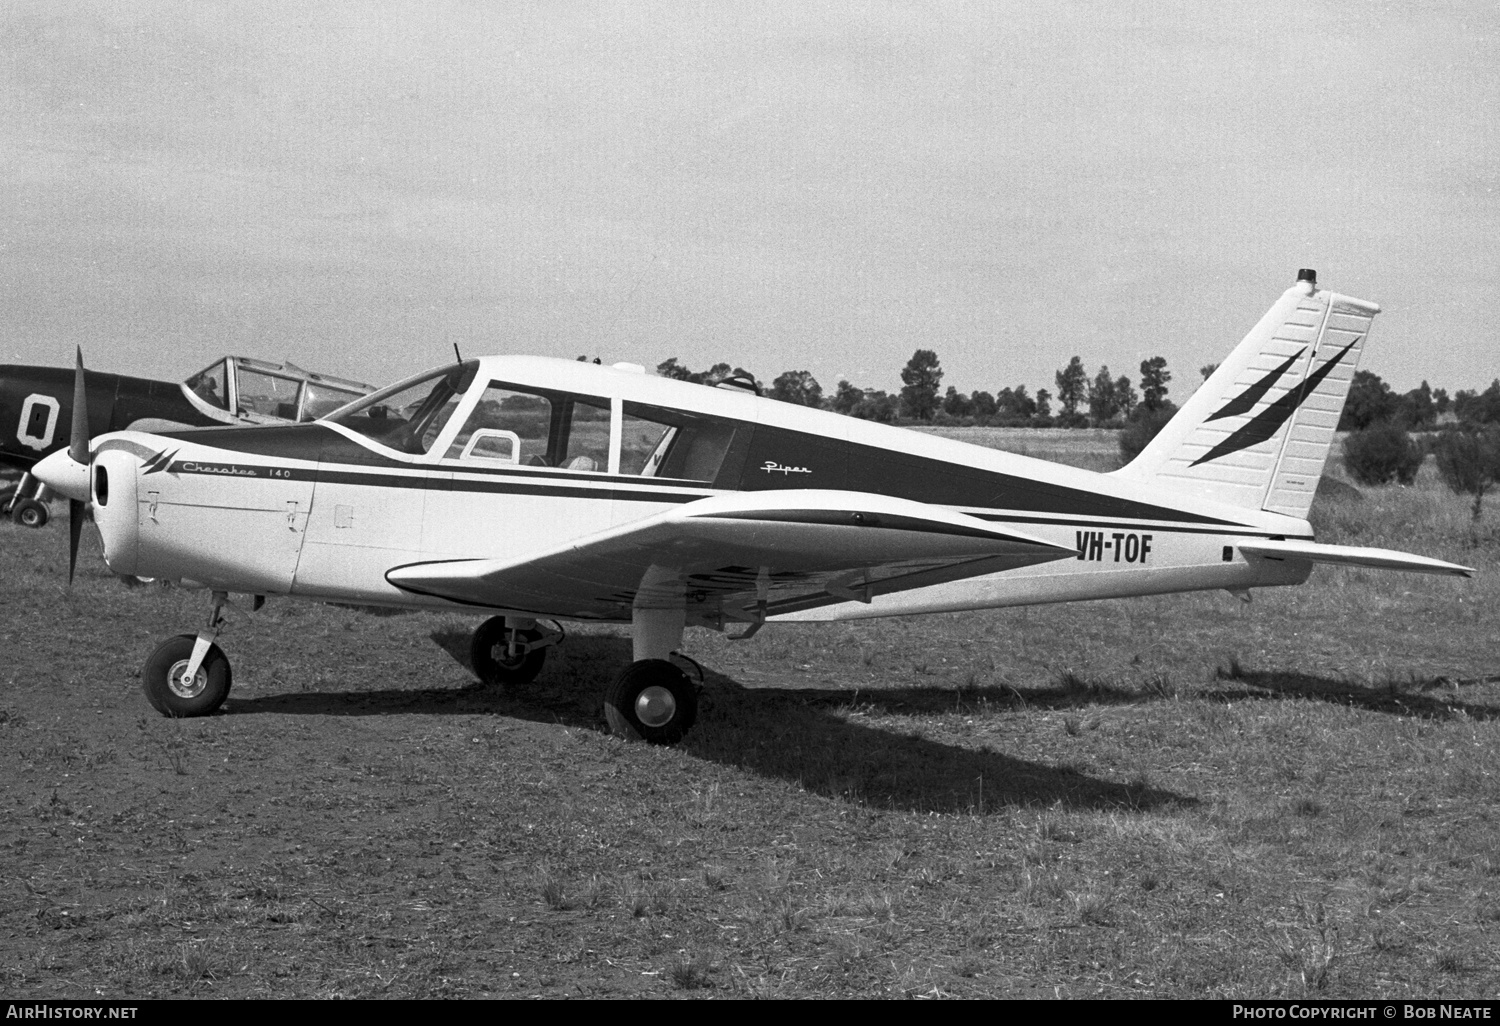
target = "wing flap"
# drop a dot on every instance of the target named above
(729, 553)
(1348, 555)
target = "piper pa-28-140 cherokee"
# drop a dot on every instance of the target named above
(546, 490)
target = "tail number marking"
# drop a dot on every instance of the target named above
(1113, 547)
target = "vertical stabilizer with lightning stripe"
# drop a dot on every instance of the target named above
(1259, 430)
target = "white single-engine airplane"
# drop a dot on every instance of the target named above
(540, 489)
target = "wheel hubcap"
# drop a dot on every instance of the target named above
(655, 707)
(501, 654)
(181, 686)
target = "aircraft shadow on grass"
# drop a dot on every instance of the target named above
(1434, 698)
(786, 733)
(1430, 699)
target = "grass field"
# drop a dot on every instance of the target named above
(1168, 797)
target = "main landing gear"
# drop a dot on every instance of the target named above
(26, 504)
(652, 700)
(189, 675)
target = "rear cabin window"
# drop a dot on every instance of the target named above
(535, 428)
(657, 442)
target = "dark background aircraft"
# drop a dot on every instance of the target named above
(36, 408)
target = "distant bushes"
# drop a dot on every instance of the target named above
(1144, 425)
(1382, 453)
(1469, 463)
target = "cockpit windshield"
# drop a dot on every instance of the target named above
(211, 384)
(408, 415)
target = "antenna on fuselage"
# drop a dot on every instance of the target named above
(456, 355)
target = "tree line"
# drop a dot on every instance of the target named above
(1372, 401)
(1381, 447)
(1102, 400)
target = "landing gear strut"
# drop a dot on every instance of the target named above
(189, 675)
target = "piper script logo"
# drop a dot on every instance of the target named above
(772, 467)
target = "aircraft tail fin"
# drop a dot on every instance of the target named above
(1259, 430)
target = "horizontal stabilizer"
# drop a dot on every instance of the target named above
(1348, 555)
(760, 549)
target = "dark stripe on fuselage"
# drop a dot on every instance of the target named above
(831, 464)
(854, 467)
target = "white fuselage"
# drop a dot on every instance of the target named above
(328, 520)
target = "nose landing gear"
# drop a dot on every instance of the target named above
(178, 681)
(510, 650)
(189, 675)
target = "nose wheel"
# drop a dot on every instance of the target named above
(189, 675)
(178, 685)
(505, 654)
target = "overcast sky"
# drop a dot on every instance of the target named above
(825, 187)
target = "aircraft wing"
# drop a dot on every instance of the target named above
(1348, 555)
(741, 557)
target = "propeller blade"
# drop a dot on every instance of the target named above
(75, 534)
(78, 442)
(78, 451)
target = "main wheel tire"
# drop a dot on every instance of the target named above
(169, 694)
(30, 513)
(490, 658)
(653, 700)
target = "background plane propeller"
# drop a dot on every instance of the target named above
(78, 452)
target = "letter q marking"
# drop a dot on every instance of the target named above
(37, 425)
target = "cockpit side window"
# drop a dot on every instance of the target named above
(506, 426)
(408, 417)
(267, 394)
(535, 428)
(210, 385)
